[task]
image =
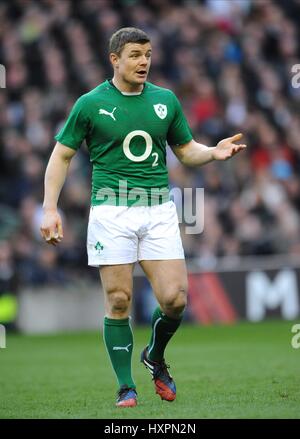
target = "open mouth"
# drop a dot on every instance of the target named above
(142, 72)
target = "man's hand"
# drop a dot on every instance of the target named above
(51, 228)
(226, 148)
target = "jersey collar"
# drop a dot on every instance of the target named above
(126, 93)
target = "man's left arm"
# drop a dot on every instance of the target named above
(196, 154)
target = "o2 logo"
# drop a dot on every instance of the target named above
(295, 342)
(148, 150)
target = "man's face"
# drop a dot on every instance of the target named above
(133, 64)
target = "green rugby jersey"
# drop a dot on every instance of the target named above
(126, 135)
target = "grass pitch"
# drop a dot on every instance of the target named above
(241, 371)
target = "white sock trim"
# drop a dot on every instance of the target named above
(154, 334)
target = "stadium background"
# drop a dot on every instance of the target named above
(230, 63)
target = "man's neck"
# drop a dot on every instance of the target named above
(125, 87)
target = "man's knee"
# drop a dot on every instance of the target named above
(174, 302)
(119, 301)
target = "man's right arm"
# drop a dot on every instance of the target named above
(55, 176)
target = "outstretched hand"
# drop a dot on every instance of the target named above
(226, 148)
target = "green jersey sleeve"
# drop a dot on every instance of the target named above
(76, 126)
(179, 131)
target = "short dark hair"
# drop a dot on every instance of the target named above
(126, 35)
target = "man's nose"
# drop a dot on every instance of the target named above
(144, 60)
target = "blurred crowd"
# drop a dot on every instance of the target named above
(230, 64)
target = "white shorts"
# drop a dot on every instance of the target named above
(124, 235)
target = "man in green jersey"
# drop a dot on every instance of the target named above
(126, 123)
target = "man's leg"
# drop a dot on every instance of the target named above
(118, 338)
(169, 282)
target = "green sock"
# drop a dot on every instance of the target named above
(118, 340)
(163, 328)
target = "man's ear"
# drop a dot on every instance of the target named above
(114, 59)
